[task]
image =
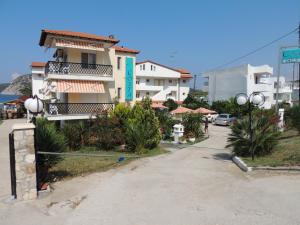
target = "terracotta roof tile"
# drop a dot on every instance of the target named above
(181, 110)
(72, 34)
(123, 49)
(204, 111)
(38, 64)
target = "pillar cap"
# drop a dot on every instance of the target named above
(22, 126)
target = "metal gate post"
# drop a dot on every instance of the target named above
(12, 165)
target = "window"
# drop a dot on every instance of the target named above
(137, 95)
(183, 81)
(147, 93)
(137, 81)
(143, 66)
(88, 60)
(119, 63)
(170, 81)
(183, 93)
(147, 80)
(151, 67)
(119, 92)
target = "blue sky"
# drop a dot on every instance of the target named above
(197, 35)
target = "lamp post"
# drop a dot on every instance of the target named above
(34, 106)
(256, 99)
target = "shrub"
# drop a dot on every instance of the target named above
(108, 132)
(75, 133)
(142, 127)
(166, 123)
(48, 139)
(171, 104)
(264, 136)
(192, 123)
(294, 117)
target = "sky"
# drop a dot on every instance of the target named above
(197, 35)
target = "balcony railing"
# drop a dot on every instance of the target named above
(70, 68)
(78, 108)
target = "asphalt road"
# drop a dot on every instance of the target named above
(195, 185)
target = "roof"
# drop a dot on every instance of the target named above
(184, 73)
(72, 34)
(204, 111)
(157, 105)
(38, 64)
(127, 50)
(181, 110)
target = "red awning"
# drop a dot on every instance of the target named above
(80, 86)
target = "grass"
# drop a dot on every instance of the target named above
(72, 166)
(286, 153)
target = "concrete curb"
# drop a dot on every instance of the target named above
(241, 164)
(279, 168)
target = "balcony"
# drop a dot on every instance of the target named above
(69, 111)
(70, 70)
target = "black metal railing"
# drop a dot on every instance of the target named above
(78, 108)
(70, 68)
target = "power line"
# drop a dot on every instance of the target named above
(256, 50)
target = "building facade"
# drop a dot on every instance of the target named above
(86, 75)
(227, 83)
(161, 82)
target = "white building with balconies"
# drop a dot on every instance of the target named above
(226, 83)
(86, 75)
(161, 82)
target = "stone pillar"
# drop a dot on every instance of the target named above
(25, 161)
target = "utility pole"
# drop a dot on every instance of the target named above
(299, 66)
(195, 78)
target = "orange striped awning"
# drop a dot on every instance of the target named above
(79, 44)
(80, 86)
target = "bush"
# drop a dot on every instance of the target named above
(166, 123)
(171, 104)
(293, 115)
(122, 112)
(50, 140)
(108, 132)
(265, 135)
(192, 123)
(75, 133)
(142, 127)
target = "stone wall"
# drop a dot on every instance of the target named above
(25, 161)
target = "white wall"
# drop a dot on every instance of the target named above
(37, 82)
(159, 71)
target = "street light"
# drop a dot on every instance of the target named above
(34, 106)
(256, 99)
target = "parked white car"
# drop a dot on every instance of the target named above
(225, 119)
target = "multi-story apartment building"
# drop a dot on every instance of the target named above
(161, 82)
(87, 73)
(226, 83)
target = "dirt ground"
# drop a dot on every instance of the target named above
(194, 185)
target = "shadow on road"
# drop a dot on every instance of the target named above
(222, 156)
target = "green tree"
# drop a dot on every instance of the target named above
(142, 127)
(171, 104)
(293, 117)
(194, 101)
(166, 123)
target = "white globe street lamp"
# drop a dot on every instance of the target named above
(256, 99)
(34, 106)
(241, 99)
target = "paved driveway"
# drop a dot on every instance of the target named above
(196, 185)
(5, 129)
